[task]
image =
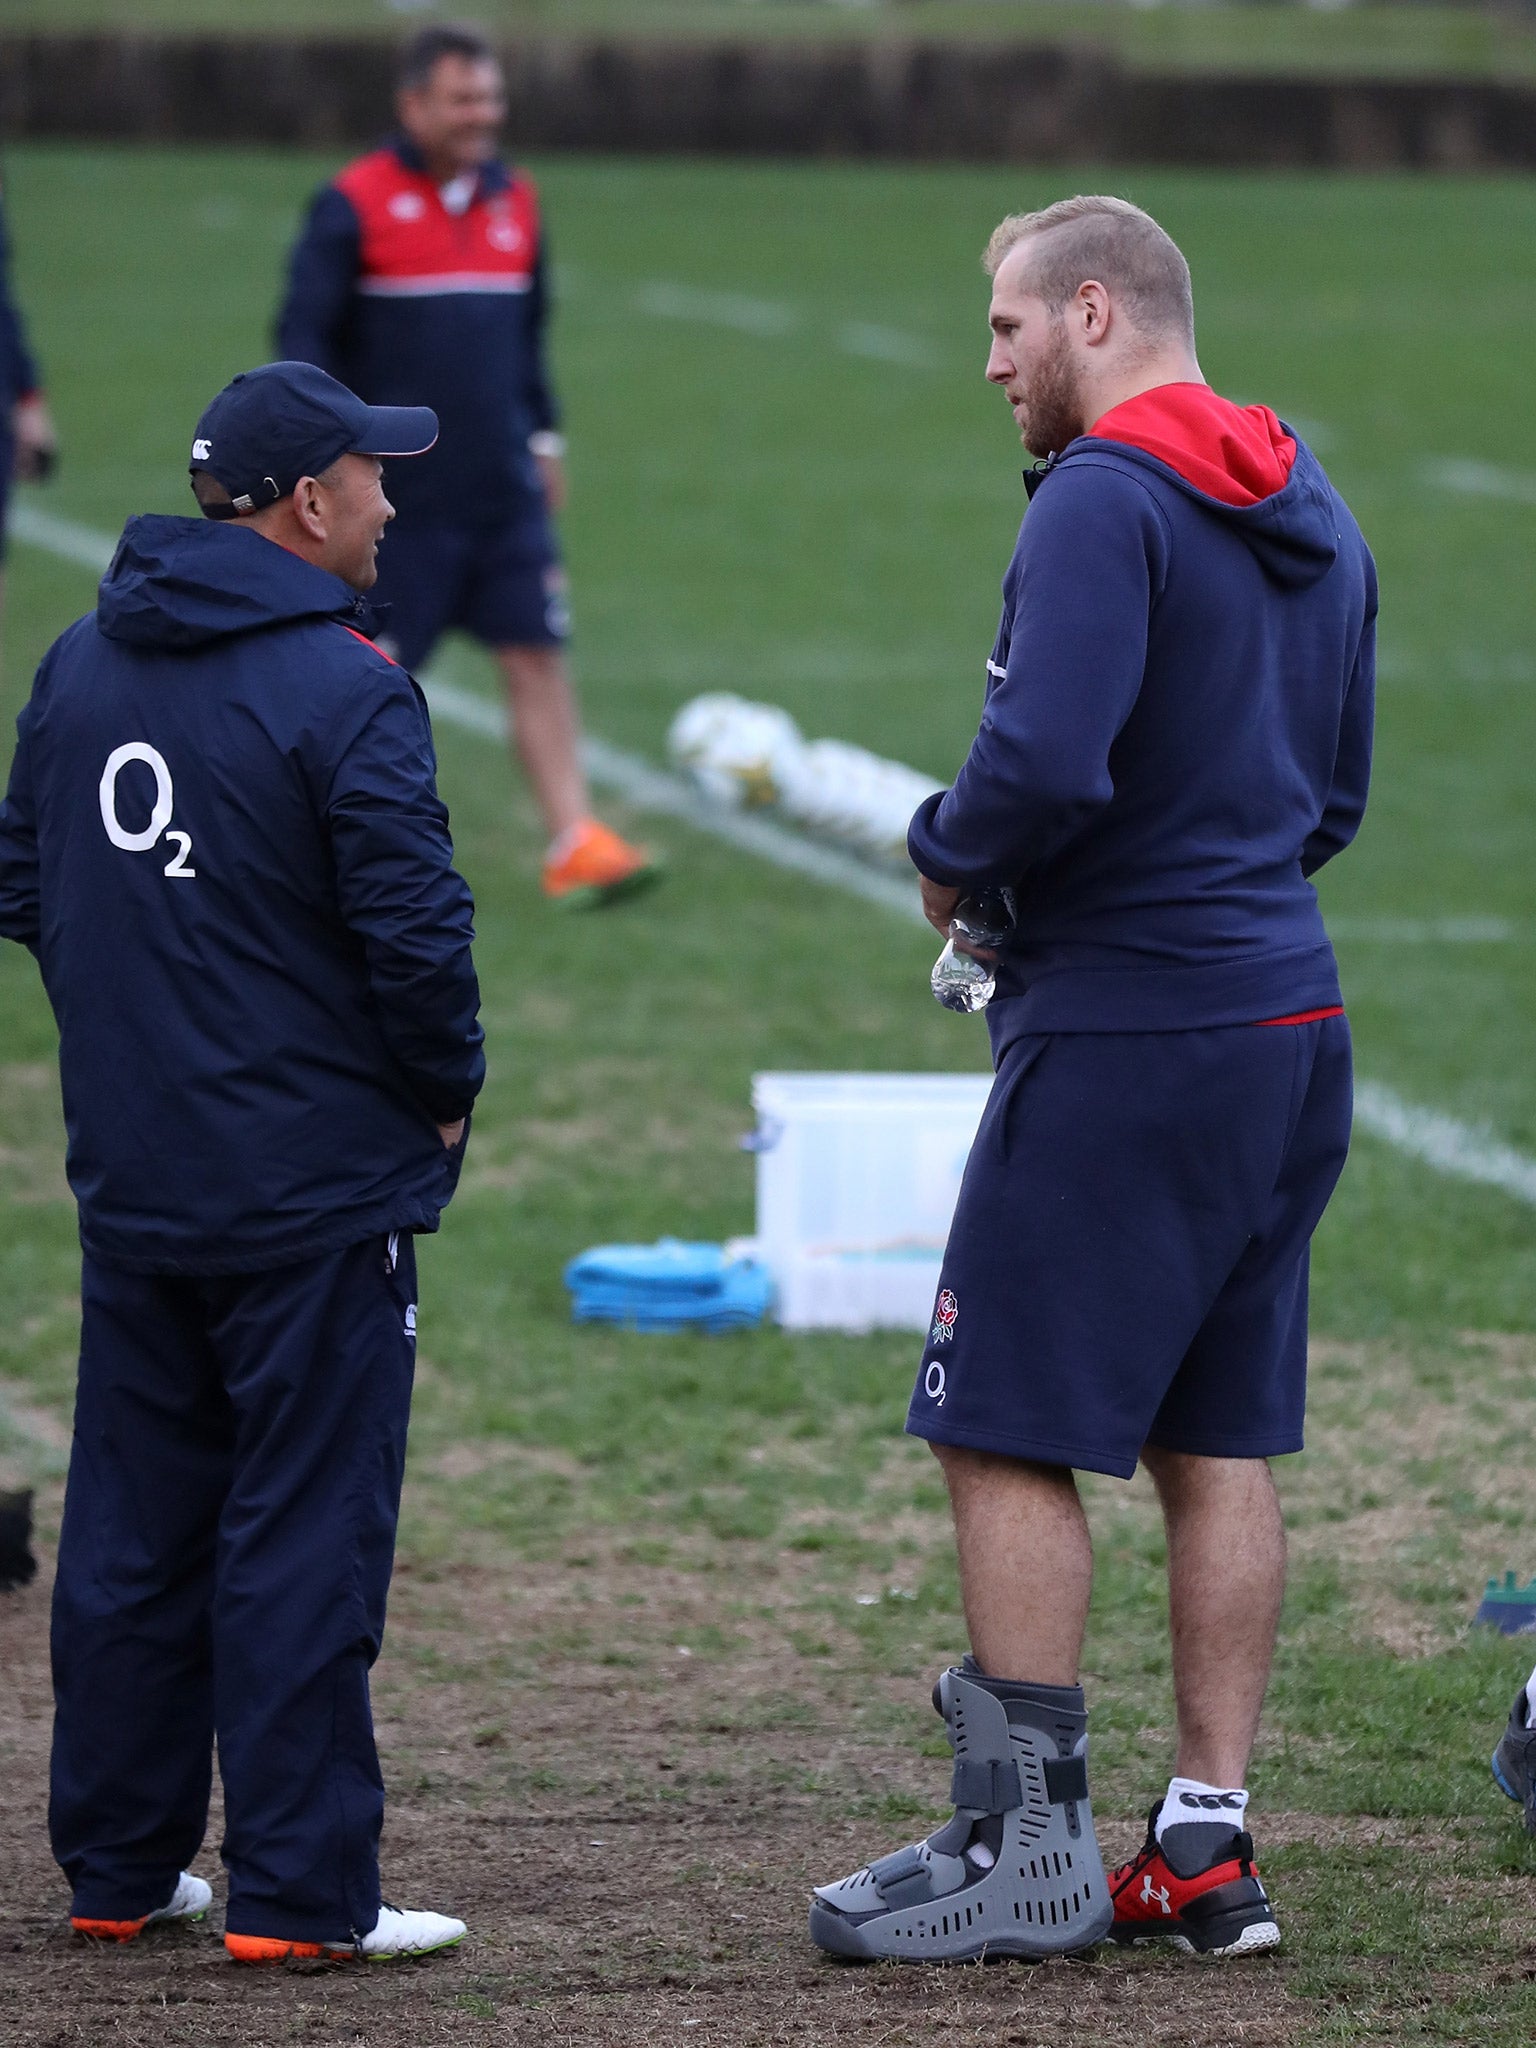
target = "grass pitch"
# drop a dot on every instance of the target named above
(790, 480)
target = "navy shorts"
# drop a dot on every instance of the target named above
(1128, 1259)
(503, 584)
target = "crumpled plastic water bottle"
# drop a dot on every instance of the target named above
(960, 982)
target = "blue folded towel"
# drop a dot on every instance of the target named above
(669, 1285)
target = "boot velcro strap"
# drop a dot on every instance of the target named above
(1066, 1779)
(902, 1878)
(986, 1785)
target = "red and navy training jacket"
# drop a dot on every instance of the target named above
(410, 304)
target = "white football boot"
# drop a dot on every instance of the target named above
(393, 1937)
(409, 1934)
(190, 1901)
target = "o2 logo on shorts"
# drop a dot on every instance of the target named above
(159, 817)
(946, 1313)
(935, 1384)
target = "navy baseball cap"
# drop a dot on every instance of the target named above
(286, 420)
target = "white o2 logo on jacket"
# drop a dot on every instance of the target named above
(159, 817)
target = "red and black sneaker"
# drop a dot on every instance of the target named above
(1196, 1888)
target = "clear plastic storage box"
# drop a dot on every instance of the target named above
(857, 1176)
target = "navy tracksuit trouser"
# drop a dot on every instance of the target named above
(228, 1536)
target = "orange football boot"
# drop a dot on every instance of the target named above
(591, 865)
(264, 1948)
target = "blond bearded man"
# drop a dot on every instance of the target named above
(1176, 737)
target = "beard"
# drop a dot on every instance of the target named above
(1053, 411)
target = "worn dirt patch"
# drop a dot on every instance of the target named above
(625, 1766)
(632, 1845)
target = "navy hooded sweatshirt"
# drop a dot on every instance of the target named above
(223, 841)
(1177, 727)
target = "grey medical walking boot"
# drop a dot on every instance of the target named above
(1017, 1871)
(1514, 1761)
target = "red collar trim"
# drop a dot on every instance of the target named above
(1237, 454)
(373, 645)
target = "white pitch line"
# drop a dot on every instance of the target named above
(887, 345)
(1481, 479)
(1423, 931)
(663, 300)
(62, 537)
(1462, 1151)
(775, 320)
(653, 789)
(1460, 665)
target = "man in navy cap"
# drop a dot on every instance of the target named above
(223, 842)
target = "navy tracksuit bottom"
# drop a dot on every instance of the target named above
(228, 1536)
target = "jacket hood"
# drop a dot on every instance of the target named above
(184, 583)
(1243, 464)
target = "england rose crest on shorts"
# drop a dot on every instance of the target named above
(946, 1311)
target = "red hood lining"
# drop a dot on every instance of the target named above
(1237, 454)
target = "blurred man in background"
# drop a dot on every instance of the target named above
(28, 445)
(420, 277)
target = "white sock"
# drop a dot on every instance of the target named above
(1530, 1701)
(1188, 1800)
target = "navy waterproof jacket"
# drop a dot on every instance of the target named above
(1176, 732)
(224, 843)
(409, 303)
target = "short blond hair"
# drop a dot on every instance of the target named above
(1094, 236)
